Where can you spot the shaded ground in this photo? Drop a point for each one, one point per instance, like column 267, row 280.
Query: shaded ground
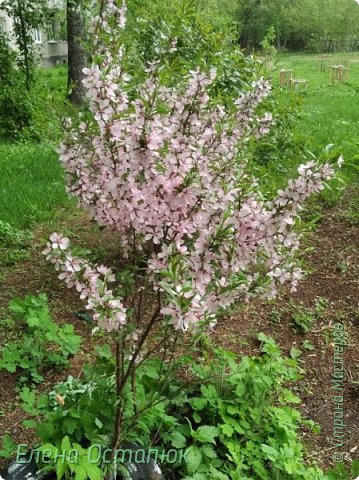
column 334, row 266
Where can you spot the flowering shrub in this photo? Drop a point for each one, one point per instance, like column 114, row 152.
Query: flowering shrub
column 166, row 168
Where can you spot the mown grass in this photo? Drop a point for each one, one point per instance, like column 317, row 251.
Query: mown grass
column 330, row 113
column 327, row 123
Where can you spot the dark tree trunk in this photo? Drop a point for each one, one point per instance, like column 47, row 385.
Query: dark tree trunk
column 24, row 44
column 77, row 52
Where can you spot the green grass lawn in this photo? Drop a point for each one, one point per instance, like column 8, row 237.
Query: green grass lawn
column 32, row 188
column 330, row 113
column 31, row 184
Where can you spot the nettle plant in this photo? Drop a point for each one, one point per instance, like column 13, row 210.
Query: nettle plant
column 166, row 169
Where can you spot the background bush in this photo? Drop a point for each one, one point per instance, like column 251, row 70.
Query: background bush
column 16, row 107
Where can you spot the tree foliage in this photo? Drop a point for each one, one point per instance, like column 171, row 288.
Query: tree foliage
column 311, row 24
column 15, row 107
column 27, row 15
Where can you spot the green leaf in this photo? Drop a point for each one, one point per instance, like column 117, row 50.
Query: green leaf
column 289, row 466
column 270, row 452
column 8, row 447
column 178, row 440
column 208, row 450
column 227, row 430
column 232, row 410
column 262, row 337
column 65, row 444
column 28, row 398
column 33, row 321
column 10, row 368
column 196, row 476
column 217, row 475
column 70, row 425
column 17, row 305
column 198, row 403
column 197, row 417
column 29, row 423
column 295, row 352
column 206, row 434
column 45, row 431
column 193, row 458
column 98, row 423
column 240, row 390
column 94, row 472
column 289, row 397
column 80, row 472
column 61, row 468
column 50, row 447
column 209, row 391
column 104, row 351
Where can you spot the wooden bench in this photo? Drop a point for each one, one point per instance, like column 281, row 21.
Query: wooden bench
column 284, row 77
column 323, row 59
column 296, row 84
column 339, row 73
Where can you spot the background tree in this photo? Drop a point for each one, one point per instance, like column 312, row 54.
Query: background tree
column 314, row 25
column 76, row 50
column 27, row 15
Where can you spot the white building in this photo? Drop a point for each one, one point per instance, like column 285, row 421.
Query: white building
column 50, row 41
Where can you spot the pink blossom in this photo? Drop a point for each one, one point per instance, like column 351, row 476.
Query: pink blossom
column 58, row 241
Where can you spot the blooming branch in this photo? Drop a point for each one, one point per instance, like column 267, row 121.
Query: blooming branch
column 91, row 283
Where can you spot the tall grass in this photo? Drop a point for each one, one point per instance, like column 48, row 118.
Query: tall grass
column 31, row 184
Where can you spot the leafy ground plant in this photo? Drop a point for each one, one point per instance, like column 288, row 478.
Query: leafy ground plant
column 239, row 420
column 235, row 420
column 343, row 472
column 304, row 318
column 43, row 344
column 14, row 244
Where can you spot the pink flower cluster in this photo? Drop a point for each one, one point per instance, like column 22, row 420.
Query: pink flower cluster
column 91, row 283
column 168, row 171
